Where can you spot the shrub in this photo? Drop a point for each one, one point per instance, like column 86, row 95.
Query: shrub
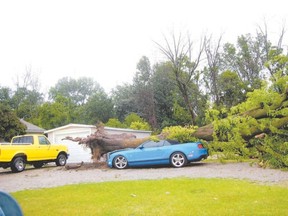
column 182, row 134
column 140, row 126
column 113, row 122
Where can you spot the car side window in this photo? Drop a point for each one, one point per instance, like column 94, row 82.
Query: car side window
column 43, row 140
column 166, row 143
column 152, row 144
column 160, row 143
column 170, row 142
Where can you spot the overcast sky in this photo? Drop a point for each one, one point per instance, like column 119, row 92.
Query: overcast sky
column 105, row 39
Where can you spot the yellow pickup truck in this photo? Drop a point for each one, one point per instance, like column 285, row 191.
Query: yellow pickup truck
column 32, row 149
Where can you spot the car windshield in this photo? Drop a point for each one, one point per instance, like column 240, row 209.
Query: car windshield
column 160, row 143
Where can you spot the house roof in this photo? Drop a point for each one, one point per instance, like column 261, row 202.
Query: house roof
column 70, row 126
column 128, row 130
column 93, row 126
column 32, row 128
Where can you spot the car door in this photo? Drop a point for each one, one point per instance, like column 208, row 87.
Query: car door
column 148, row 153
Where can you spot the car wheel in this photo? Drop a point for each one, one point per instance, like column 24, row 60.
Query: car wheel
column 120, row 162
column 61, row 160
column 178, row 159
column 18, row 164
column 38, row 164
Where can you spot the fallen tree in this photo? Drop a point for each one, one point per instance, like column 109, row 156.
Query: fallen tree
column 267, row 117
column 102, row 142
column 261, row 119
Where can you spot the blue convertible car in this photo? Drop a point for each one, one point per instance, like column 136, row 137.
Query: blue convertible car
column 164, row 152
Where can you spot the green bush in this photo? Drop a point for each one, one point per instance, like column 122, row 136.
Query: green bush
column 140, row 126
column 132, row 121
column 182, row 134
column 132, row 117
column 113, row 122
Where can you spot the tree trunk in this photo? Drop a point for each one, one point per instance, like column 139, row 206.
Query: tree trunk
column 101, row 142
column 205, row 132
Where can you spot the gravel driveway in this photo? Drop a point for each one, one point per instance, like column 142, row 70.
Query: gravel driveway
column 52, row 176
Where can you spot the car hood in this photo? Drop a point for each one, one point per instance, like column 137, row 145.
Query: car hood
column 120, row 150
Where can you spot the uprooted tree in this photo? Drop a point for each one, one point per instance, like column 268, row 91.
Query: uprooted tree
column 102, row 142
column 264, row 113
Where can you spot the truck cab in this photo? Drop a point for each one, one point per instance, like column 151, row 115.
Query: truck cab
column 32, row 149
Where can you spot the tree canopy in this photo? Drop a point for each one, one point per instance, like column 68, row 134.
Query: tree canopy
column 10, row 124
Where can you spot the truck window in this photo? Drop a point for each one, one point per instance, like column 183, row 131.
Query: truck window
column 43, row 140
column 24, row 139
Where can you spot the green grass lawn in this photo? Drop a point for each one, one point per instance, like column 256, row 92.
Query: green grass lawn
column 157, row 197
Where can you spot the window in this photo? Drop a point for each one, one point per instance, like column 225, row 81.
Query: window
column 24, row 139
column 171, row 142
column 151, row 144
column 43, row 140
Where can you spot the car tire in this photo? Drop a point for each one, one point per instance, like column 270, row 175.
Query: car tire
column 18, row 164
column 120, row 162
column 178, row 159
column 61, row 160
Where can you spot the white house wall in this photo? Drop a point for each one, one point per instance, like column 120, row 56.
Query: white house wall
column 77, row 153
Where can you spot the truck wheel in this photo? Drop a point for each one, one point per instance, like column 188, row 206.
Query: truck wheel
column 61, row 160
column 18, row 164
